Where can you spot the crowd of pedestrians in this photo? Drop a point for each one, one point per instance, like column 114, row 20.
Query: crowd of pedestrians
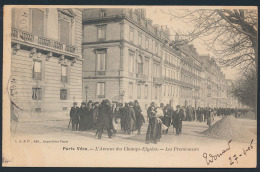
column 113, row 116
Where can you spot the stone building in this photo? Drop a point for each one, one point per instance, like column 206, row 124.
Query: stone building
column 214, row 83
column 46, row 61
column 170, row 71
column 122, row 54
column 127, row 58
column 191, row 69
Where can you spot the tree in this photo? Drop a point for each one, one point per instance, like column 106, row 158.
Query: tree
column 230, row 34
column 245, row 89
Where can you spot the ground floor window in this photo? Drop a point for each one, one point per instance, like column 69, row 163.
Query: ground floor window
column 63, row 94
column 101, row 90
column 36, row 93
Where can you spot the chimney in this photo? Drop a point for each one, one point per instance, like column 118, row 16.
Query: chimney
column 150, row 22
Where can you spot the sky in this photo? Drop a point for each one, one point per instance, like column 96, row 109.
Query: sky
column 177, row 26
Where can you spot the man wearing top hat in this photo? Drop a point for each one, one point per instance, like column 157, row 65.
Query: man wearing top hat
column 74, row 116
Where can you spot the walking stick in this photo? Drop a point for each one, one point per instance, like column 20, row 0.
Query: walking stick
column 69, row 123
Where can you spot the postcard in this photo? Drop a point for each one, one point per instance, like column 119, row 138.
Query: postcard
column 130, row 86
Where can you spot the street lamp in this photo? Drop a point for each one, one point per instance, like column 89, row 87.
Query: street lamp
column 86, row 88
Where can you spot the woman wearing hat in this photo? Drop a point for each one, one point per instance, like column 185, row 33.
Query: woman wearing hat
column 154, row 128
column 130, row 118
column 83, row 117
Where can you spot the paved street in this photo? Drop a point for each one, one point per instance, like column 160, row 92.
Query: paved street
column 59, row 129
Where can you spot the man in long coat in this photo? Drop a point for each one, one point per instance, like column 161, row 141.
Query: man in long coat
column 139, row 116
column 74, row 116
column 104, row 119
column 177, row 121
column 130, row 118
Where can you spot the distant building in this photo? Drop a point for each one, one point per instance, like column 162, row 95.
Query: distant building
column 46, row 62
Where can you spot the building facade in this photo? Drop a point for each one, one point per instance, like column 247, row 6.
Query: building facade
column 122, row 54
column 127, row 58
column 46, row 62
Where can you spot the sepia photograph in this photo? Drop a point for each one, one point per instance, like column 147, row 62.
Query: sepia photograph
column 130, row 86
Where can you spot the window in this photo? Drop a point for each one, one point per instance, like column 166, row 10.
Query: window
column 131, row 36
column 64, row 31
column 64, row 74
column 156, row 48
column 139, row 65
column 37, row 22
column 138, row 91
column 140, row 39
column 37, row 66
column 101, row 90
column 146, row 91
column 131, row 62
column 169, row 90
column 101, row 32
column 103, row 13
column 146, row 67
column 147, row 43
column 101, row 61
column 63, row 94
column 36, row 93
column 130, row 89
column 156, row 70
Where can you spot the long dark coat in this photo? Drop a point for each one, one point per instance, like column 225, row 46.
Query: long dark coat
column 124, row 118
column 83, row 118
column 74, row 115
column 167, row 112
column 177, row 121
column 138, row 115
column 154, row 128
column 104, row 119
column 130, row 119
column 95, row 115
column 89, row 118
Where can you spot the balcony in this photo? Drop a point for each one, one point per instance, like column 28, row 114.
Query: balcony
column 157, row 82
column 186, row 84
column 40, row 42
column 167, row 79
column 140, row 76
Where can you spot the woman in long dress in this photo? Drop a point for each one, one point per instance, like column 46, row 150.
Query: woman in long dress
column 154, row 128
